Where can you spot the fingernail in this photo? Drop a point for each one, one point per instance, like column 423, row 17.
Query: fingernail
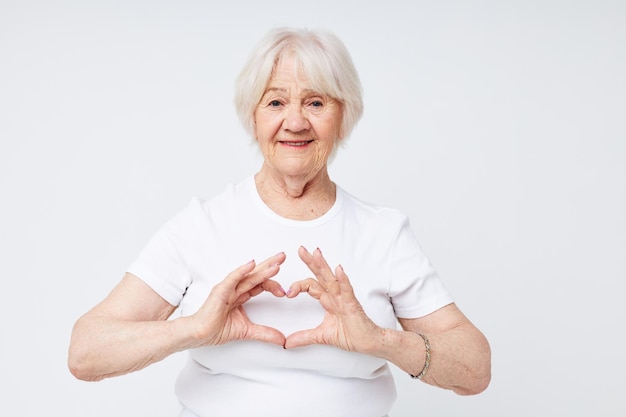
column 250, row 262
column 287, row 292
column 319, row 250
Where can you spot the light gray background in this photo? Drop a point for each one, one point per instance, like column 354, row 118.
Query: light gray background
column 498, row 126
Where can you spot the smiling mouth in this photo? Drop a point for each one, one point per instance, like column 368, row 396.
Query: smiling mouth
column 296, row 144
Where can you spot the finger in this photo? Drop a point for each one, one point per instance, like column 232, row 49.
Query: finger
column 309, row 285
column 255, row 291
column 270, row 286
column 255, row 279
column 277, row 259
column 241, row 299
column 273, row 287
column 302, row 338
column 344, row 283
column 317, row 264
column 262, row 272
column 234, row 277
column 265, row 334
column 237, row 288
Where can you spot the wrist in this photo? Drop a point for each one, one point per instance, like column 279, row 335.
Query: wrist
column 384, row 343
column 408, row 350
column 189, row 333
column 426, row 358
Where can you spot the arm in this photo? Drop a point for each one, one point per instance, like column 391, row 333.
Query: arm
column 126, row 332
column 129, row 330
column 460, row 354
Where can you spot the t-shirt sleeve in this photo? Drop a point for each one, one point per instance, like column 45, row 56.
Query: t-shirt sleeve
column 161, row 263
column 416, row 289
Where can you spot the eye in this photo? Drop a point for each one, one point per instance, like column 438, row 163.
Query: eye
column 275, row 103
column 316, row 105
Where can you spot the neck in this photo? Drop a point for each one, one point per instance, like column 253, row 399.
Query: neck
column 296, row 197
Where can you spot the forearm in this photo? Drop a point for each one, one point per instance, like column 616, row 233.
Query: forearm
column 460, row 358
column 103, row 347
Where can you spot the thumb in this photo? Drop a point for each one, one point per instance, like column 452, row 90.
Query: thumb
column 266, row 334
column 301, row 338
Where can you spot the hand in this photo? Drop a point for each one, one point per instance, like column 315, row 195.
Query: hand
column 222, row 319
column 345, row 323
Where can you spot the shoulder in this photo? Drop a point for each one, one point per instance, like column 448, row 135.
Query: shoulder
column 232, row 196
column 201, row 211
column 371, row 212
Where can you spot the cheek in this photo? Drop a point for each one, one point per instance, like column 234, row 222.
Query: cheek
column 333, row 124
column 266, row 126
column 332, row 131
column 260, row 131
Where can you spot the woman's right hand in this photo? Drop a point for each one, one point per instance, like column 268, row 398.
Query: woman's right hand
column 222, row 319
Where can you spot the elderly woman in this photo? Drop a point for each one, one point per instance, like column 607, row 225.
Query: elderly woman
column 310, row 328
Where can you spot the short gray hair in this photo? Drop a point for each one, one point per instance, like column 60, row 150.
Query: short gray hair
column 323, row 58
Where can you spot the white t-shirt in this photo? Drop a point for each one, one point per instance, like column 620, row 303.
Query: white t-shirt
column 208, row 239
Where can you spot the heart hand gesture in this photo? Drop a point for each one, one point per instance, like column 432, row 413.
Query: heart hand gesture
column 345, row 323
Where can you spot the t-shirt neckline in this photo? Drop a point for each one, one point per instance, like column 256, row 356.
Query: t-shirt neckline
column 252, row 190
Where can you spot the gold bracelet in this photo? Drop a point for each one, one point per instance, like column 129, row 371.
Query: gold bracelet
column 426, row 361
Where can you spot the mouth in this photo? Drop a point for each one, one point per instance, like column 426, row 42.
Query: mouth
column 296, row 144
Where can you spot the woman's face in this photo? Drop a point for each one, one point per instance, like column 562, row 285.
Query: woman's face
column 296, row 126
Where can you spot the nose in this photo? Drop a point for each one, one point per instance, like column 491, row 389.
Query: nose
column 295, row 118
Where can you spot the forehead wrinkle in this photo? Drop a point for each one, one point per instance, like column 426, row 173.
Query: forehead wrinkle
column 282, row 90
column 303, row 92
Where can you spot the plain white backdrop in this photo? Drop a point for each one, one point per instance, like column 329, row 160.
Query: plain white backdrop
column 497, row 126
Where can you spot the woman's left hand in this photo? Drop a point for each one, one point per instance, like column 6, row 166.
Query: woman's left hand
column 345, row 323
